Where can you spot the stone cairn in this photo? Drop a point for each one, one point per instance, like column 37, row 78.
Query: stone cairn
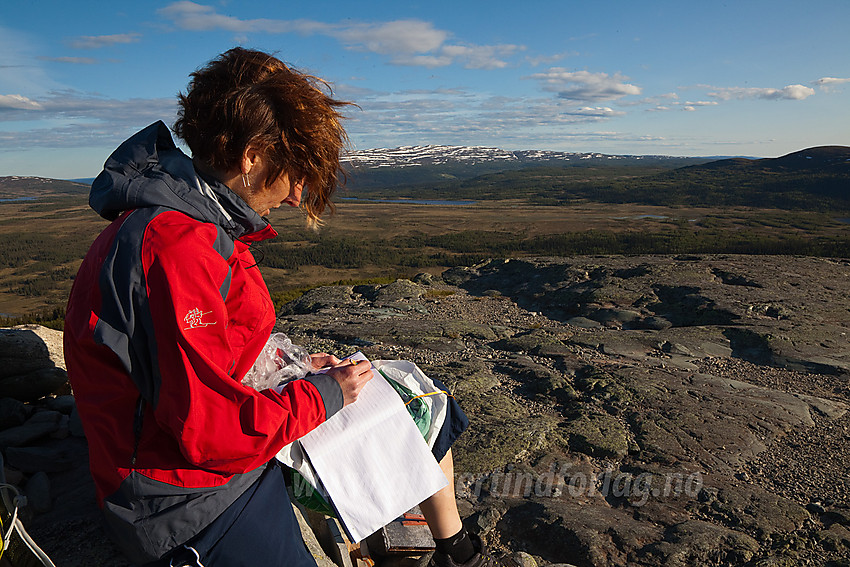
column 37, row 410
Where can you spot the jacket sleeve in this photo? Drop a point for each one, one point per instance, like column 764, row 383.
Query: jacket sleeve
column 201, row 340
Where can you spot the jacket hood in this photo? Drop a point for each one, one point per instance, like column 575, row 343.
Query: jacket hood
column 148, row 170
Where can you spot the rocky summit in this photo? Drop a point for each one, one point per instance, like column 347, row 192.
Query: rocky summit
column 658, row 410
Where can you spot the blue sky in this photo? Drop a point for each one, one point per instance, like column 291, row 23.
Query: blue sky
column 745, row 77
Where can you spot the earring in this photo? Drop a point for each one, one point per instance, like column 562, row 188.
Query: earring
column 246, row 181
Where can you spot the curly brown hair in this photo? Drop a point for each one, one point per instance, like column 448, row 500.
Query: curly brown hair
column 245, row 98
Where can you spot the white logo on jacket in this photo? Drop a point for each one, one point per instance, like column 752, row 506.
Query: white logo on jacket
column 195, row 319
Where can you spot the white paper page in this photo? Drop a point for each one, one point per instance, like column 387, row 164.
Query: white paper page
column 372, row 459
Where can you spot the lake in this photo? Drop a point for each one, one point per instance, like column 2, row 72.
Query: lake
column 638, row 217
column 17, row 199
column 408, row 201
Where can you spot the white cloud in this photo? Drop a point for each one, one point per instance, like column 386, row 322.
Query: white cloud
column 395, row 37
column 82, row 120
column 98, row 41
column 828, row 81
column 584, row 85
column 830, row 84
column 672, row 104
column 191, row 16
column 470, row 56
column 598, row 111
column 692, row 105
column 18, row 102
column 791, row 92
column 406, row 42
column 481, row 56
column 387, row 38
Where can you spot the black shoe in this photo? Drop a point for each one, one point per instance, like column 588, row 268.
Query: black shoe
column 481, row 558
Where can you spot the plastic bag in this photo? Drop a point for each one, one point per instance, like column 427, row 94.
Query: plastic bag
column 425, row 391
column 279, row 362
column 417, row 407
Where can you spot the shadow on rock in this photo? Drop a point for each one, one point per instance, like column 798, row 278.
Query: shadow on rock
column 531, row 528
column 685, row 306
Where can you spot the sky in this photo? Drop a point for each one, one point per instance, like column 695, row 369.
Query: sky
column 707, row 78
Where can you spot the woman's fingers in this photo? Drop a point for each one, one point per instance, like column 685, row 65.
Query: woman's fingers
column 352, row 376
column 323, row 360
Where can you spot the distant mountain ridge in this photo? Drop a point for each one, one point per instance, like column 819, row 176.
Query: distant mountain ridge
column 821, row 158
column 427, row 166
column 24, row 187
column 409, row 156
column 815, row 178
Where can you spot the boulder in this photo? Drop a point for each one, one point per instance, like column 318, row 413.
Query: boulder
column 33, row 385
column 459, row 275
column 40, row 425
column 424, row 278
column 26, row 348
column 398, row 294
column 12, row 413
column 583, row 322
column 536, row 341
column 37, row 491
column 64, row 404
column 320, row 298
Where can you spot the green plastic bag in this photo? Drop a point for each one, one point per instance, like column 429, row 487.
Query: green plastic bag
column 416, row 407
column 305, row 494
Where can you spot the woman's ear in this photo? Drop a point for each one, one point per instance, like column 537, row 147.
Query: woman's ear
column 251, row 158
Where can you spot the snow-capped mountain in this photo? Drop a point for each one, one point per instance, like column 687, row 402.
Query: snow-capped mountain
column 407, row 156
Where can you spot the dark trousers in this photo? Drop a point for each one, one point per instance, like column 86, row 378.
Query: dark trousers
column 258, row 529
column 455, row 424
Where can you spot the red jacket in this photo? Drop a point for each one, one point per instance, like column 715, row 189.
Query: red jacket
column 167, row 314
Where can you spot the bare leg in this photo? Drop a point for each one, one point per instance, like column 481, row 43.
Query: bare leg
column 440, row 510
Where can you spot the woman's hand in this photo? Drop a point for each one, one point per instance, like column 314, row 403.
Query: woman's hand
column 323, row 359
column 351, row 375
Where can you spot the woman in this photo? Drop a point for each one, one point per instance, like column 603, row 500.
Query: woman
column 169, row 311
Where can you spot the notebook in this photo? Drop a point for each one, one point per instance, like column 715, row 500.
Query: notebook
column 372, row 459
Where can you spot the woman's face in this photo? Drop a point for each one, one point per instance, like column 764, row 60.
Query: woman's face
column 262, row 196
column 274, row 194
